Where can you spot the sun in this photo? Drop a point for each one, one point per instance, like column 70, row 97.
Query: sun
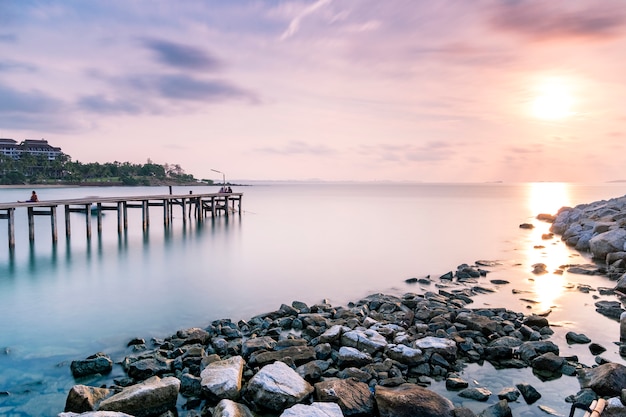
column 552, row 100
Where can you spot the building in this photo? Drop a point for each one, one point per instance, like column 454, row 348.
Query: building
column 34, row 147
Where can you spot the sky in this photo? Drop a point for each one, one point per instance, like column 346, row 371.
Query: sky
column 333, row 90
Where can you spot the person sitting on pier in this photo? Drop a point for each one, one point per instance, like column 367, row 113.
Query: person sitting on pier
column 33, row 197
column 229, row 190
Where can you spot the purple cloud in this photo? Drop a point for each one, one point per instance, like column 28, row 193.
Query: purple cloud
column 549, row 20
column 182, row 56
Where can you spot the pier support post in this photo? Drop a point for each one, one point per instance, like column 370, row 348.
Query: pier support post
column 31, row 225
column 99, row 218
column 184, row 205
column 119, row 218
column 125, row 206
column 67, row 221
column 226, row 205
column 240, row 197
column 166, row 218
column 88, row 220
column 11, row 219
column 144, row 214
column 53, row 224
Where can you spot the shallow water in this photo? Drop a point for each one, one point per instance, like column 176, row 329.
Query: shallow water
column 304, row 242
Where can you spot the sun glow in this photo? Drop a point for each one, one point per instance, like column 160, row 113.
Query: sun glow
column 552, row 100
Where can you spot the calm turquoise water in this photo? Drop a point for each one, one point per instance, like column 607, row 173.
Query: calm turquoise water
column 304, row 242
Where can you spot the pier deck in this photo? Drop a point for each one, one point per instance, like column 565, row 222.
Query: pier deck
column 197, row 204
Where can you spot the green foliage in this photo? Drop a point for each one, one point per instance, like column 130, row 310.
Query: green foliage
column 31, row 169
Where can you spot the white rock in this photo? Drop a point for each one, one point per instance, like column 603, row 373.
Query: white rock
column 223, row 378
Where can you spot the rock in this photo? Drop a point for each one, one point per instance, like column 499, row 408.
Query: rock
column 605, row 380
column 539, row 268
column 477, row 322
column 573, row 337
column 445, row 347
column 535, row 321
column 95, row 414
column 229, row 408
column 369, row 341
column 298, row 354
column 223, row 379
column 548, row 362
column 410, row 400
column 99, row 363
column 152, row 396
column 277, row 386
column 527, row 351
column 596, row 349
column 530, row 394
column 611, row 309
column 354, row 397
column 509, row 394
column 349, row 356
column 456, row 383
column 257, row 343
column 82, row 398
column 499, row 409
column 147, row 367
column 526, row 226
column 621, row 284
column 190, row 385
column 313, row 410
column 476, row 393
column 405, row 354
column 604, row 243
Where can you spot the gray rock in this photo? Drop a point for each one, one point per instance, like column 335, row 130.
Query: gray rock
column 229, row 408
column 223, row 379
column 476, row 393
column 573, row 337
column 100, row 363
column 605, row 380
column 313, row 410
column 410, row 400
column 254, row 344
column 369, row 341
column 298, row 354
column 354, row 397
column 445, row 347
column 604, row 243
column 404, row 354
column 277, row 386
column 530, row 394
column 82, row 398
column 548, row 362
column 95, row 414
column 153, row 396
column 456, row 383
column 499, row 409
column 349, row 356
column 528, row 351
column 509, row 394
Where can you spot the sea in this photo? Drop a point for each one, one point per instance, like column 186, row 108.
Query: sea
column 293, row 241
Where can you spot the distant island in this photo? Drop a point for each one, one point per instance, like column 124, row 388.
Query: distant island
column 34, row 161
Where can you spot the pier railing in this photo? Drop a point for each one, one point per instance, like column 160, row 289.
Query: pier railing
column 197, row 204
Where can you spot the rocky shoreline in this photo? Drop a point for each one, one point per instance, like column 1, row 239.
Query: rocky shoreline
column 374, row 357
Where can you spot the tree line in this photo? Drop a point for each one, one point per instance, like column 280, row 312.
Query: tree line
column 31, row 169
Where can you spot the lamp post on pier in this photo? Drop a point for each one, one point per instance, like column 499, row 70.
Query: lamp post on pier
column 223, row 176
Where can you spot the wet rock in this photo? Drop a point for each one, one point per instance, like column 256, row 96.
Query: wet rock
column 611, row 309
column 98, row 363
column 605, row 380
column 353, row 397
column 499, row 409
column 509, row 394
column 478, row 394
column 153, row 396
column 409, row 400
column 456, row 383
column 596, row 349
column 573, row 338
column 528, row 351
column 349, row 356
column 526, row 226
column 148, row 366
column 530, row 394
column 277, row 386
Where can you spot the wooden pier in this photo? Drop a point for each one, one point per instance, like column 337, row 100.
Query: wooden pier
column 197, row 204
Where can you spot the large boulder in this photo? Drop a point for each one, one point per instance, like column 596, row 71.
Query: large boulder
column 83, row 398
column 354, row 397
column 607, row 380
column 607, row 242
column 299, row 355
column 152, row 396
column 277, row 386
column 222, row 379
column 409, row 400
